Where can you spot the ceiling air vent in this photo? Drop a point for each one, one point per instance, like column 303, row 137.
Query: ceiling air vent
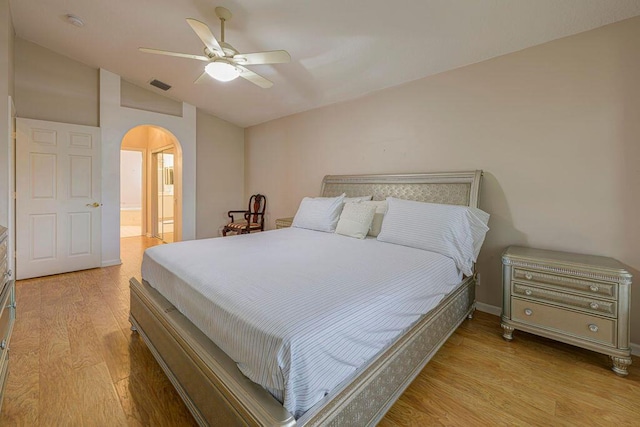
column 160, row 85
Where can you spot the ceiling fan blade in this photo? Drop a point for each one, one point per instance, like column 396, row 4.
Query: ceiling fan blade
column 254, row 78
column 202, row 78
column 204, row 33
column 179, row 55
column 257, row 58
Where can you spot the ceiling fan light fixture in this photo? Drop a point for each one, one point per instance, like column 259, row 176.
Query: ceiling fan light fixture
column 224, row 63
column 222, row 70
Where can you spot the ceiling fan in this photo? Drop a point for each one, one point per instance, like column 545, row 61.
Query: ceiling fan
column 225, row 63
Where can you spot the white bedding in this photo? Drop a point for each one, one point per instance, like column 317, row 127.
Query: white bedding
column 299, row 310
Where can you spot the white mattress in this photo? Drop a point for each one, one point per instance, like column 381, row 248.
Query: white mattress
column 299, row 310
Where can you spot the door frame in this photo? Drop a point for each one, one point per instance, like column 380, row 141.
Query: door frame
column 154, row 192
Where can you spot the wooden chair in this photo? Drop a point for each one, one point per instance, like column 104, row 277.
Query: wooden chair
column 253, row 217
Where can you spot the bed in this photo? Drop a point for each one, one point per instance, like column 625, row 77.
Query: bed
column 211, row 383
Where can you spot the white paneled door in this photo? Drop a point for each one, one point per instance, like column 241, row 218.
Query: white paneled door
column 58, row 208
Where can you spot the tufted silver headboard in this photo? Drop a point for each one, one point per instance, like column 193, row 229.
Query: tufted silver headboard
column 452, row 188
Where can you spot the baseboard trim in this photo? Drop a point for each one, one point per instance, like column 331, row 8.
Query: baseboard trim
column 486, row 308
column 111, row 262
column 497, row 311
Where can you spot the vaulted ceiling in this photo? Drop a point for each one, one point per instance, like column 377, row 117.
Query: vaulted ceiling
column 340, row 49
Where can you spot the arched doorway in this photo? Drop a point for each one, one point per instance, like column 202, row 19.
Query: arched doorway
column 151, row 184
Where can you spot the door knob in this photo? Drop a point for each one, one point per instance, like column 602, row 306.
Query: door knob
column 94, row 205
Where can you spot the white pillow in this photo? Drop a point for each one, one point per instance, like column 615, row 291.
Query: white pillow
column 381, row 209
column 319, row 213
column 355, row 220
column 454, row 231
column 357, row 199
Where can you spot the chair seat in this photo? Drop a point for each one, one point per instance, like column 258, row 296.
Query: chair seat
column 248, row 220
column 241, row 225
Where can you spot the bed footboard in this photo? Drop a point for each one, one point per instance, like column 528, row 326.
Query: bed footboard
column 367, row 398
column 217, row 393
column 208, row 381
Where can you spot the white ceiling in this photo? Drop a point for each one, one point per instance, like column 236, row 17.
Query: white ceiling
column 340, row 49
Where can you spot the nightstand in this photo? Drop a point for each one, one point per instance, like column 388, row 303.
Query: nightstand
column 283, row 222
column 577, row 299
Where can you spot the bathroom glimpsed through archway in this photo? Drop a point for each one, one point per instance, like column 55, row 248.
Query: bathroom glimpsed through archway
column 151, row 184
column 163, row 205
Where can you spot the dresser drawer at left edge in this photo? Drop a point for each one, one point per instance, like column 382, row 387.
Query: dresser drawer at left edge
column 7, row 311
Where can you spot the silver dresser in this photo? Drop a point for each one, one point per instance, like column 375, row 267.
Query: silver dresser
column 577, row 299
column 7, row 310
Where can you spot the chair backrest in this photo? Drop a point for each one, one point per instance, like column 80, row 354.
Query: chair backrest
column 257, row 206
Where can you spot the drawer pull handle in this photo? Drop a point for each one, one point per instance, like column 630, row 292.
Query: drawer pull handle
column 594, row 305
column 528, row 311
column 593, row 328
column 528, row 276
column 3, row 344
column 8, row 273
column 528, row 292
column 594, row 288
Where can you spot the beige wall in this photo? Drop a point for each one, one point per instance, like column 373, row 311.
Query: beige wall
column 10, row 51
column 555, row 128
column 147, row 137
column 131, row 174
column 53, row 87
column 219, row 173
column 134, row 96
column 138, row 137
column 6, row 90
column 158, row 138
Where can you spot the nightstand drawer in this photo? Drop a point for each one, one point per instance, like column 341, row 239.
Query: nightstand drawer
column 592, row 305
column 579, row 325
column 588, row 287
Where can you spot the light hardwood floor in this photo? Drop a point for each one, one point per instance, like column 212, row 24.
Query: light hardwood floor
column 74, row 362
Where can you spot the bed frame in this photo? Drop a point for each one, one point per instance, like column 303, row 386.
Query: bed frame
column 217, row 393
